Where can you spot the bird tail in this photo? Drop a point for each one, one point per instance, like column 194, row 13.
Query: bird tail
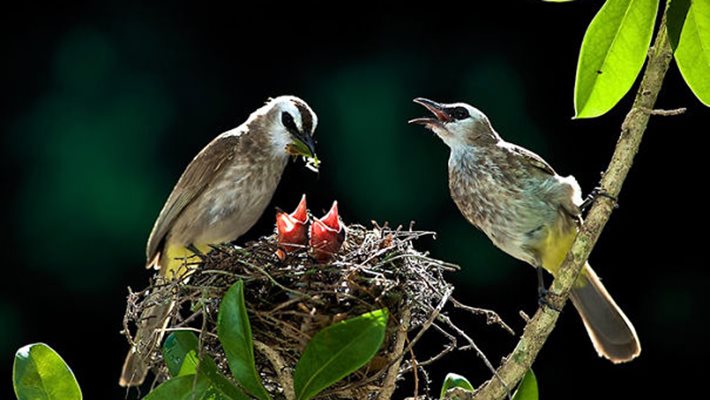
column 611, row 332
column 150, row 332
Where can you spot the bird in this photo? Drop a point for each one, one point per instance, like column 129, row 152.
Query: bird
column 219, row 197
column 527, row 210
column 327, row 235
column 292, row 229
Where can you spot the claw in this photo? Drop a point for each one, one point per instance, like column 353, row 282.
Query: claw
column 597, row 192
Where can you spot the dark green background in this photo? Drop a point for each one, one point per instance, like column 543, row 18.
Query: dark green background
column 105, row 105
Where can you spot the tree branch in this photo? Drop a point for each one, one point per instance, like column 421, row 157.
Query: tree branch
column 390, row 382
column 284, row 377
column 543, row 322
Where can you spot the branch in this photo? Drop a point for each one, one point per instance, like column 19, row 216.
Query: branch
column 284, row 377
column 390, row 382
column 543, row 322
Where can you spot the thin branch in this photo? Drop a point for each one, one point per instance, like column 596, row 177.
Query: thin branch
column 415, row 373
column 284, row 377
column 451, row 346
column 543, row 322
column 667, row 113
column 472, row 345
column 390, row 382
column 432, row 317
column 491, row 316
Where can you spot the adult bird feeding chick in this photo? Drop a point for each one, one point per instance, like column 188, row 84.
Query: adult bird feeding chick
column 219, row 197
column 527, row 210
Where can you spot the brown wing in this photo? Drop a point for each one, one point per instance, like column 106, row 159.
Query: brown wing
column 566, row 200
column 532, row 159
column 194, row 180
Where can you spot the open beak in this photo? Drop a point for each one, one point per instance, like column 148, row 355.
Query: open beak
column 303, row 146
column 435, row 108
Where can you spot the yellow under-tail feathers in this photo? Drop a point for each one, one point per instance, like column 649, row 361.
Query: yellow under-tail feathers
column 178, row 261
column 553, row 250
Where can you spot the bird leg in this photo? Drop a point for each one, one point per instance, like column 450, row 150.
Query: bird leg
column 195, row 250
column 596, row 192
column 542, row 291
column 221, row 247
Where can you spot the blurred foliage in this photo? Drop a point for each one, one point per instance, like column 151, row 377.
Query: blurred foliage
column 11, row 328
column 87, row 145
column 368, row 145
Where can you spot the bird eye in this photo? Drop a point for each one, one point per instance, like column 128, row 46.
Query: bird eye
column 287, row 120
column 459, row 113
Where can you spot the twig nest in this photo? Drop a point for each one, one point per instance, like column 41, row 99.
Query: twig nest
column 290, row 300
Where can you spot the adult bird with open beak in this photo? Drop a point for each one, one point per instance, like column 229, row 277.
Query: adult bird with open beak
column 527, row 210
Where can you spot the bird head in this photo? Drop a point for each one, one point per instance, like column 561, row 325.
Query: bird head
column 327, row 235
column 292, row 229
column 293, row 124
column 457, row 124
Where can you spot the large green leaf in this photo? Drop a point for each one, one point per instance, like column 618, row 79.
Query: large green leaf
column 234, row 333
column 689, row 33
column 206, row 384
column 337, row 351
column 186, row 387
column 612, row 54
column 180, row 353
column 190, row 387
column 455, row 381
column 527, row 390
column 218, row 382
column 39, row 373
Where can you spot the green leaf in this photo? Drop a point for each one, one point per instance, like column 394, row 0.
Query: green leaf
column 186, row 387
column 207, row 384
column 613, row 51
column 219, row 382
column 337, row 351
column 689, row 34
column 455, row 381
column 234, row 333
column 180, row 353
column 527, row 390
column 39, row 373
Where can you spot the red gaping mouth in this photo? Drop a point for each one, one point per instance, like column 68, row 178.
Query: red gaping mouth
column 435, row 108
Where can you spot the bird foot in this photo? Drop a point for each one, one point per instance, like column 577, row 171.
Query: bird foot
column 196, row 251
column 225, row 248
column 597, row 192
column 544, row 300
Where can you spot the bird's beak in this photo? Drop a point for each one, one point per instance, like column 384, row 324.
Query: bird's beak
column 303, row 145
column 435, row 108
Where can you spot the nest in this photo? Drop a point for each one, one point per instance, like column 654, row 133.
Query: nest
column 289, row 301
